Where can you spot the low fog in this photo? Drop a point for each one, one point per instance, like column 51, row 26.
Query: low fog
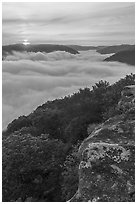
column 30, row 79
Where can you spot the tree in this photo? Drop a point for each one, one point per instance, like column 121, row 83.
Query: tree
column 32, row 167
column 17, row 124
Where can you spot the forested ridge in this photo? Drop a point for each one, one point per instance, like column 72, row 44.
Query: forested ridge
column 40, row 160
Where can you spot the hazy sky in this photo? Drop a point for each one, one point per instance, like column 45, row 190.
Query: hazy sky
column 69, row 23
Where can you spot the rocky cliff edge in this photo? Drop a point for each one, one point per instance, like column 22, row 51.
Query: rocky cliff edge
column 107, row 164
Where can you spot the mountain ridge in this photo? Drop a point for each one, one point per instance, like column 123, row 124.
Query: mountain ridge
column 125, row 56
column 115, row 48
column 8, row 49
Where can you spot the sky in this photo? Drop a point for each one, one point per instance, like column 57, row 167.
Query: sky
column 68, row 23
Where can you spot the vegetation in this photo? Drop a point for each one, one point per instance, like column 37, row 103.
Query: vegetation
column 70, row 174
column 40, row 151
column 31, row 167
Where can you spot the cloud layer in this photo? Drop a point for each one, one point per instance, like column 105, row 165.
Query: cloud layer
column 30, row 79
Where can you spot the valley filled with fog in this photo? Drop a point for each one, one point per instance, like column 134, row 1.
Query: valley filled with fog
column 30, row 79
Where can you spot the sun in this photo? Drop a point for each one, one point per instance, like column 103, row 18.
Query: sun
column 25, row 42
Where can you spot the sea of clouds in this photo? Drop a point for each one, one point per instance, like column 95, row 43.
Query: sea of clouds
column 30, row 79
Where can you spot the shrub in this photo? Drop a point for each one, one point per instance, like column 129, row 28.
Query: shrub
column 70, row 174
column 31, row 167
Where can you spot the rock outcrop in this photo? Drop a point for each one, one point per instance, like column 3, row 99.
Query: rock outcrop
column 107, row 164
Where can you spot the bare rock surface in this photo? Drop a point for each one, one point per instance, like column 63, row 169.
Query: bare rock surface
column 106, row 170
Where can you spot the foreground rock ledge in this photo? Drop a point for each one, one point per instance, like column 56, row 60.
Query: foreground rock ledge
column 106, row 170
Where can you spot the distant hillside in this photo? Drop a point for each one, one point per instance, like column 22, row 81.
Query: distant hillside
column 103, row 49
column 115, row 48
column 85, row 48
column 82, row 48
column 127, row 56
column 8, row 49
